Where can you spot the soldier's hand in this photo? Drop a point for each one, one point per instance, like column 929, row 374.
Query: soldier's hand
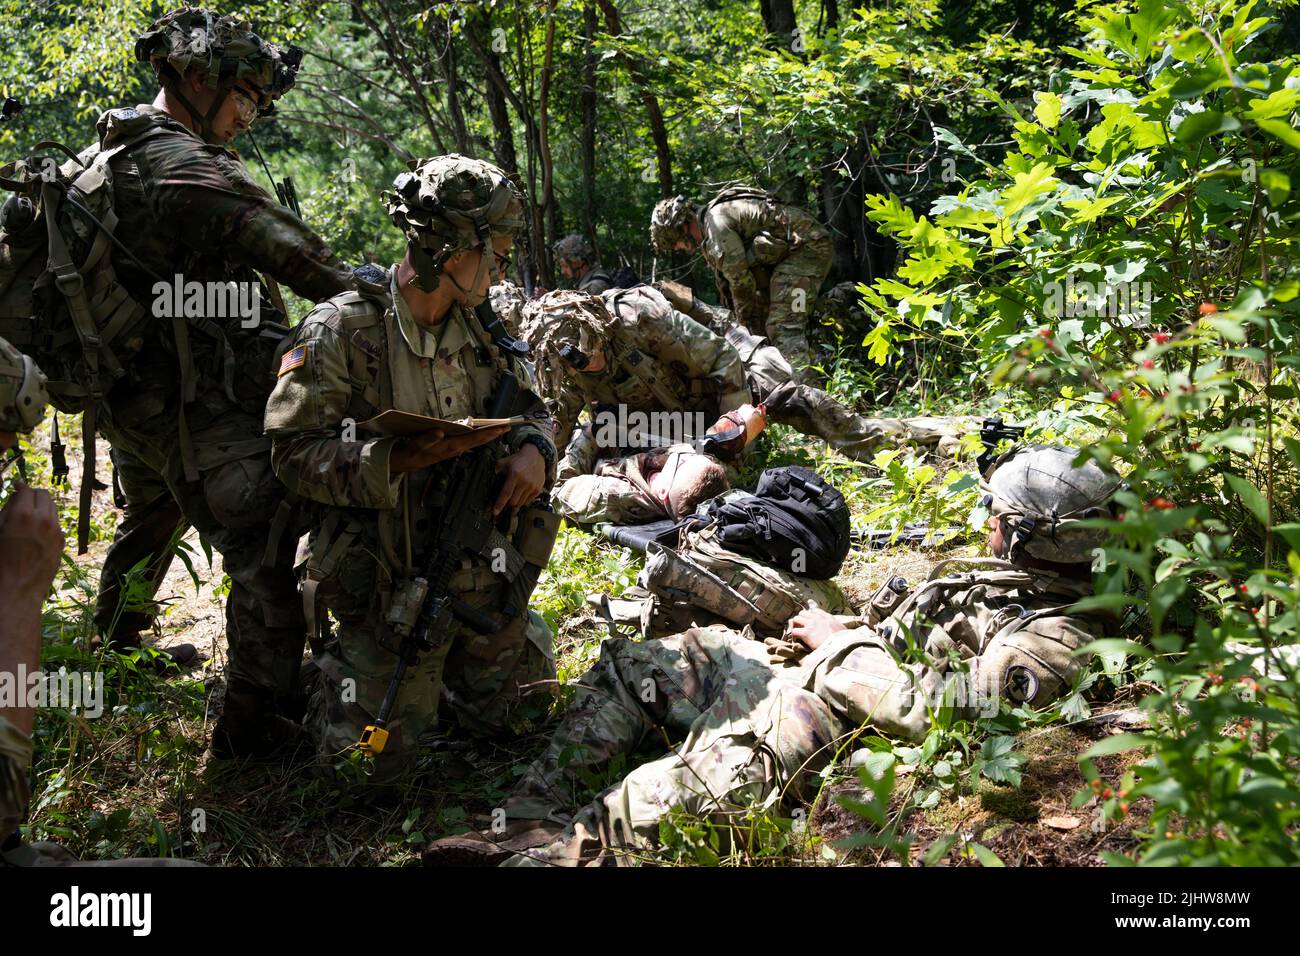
column 31, row 543
column 428, row 448
column 525, row 473
column 812, row 627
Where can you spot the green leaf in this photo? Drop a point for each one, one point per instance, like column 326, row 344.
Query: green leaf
column 1250, row 496
column 1110, row 645
column 1282, row 130
column 1198, row 126
column 1047, row 109
column 1116, row 744
column 986, row 856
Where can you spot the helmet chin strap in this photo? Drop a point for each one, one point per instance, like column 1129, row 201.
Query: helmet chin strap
column 204, row 120
column 478, row 275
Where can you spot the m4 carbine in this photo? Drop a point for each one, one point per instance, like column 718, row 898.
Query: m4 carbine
column 422, row 607
column 992, row 433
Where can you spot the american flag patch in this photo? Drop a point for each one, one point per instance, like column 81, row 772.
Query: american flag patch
column 294, row 358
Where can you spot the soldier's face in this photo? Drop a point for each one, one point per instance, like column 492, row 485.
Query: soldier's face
column 474, row 270
column 568, row 269
column 238, row 110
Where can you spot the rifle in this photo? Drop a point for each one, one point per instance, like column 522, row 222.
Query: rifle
column 422, row 607
column 914, row 534
column 992, row 433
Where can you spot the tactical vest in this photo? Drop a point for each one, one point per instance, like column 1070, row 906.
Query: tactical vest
column 517, row 555
column 667, row 387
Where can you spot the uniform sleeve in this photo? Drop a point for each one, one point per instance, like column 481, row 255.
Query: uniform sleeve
column 683, row 342
column 724, row 248
column 566, row 406
column 539, row 424
column 209, row 201
column 1036, row 664
column 311, row 450
column 15, row 795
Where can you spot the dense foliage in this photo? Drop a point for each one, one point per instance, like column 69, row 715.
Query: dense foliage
column 1083, row 217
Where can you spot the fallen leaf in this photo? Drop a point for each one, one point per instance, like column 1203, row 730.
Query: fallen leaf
column 1061, row 823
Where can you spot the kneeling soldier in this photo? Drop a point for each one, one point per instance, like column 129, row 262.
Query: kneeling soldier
column 416, row 552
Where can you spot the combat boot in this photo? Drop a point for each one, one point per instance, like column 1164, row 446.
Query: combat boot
column 489, row 848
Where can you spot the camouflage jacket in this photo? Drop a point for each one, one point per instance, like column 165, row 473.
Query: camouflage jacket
column 192, row 209
column 350, row 359
column 619, row 490
column 659, row 359
column 1011, row 625
column 15, row 758
column 595, row 281
column 748, row 233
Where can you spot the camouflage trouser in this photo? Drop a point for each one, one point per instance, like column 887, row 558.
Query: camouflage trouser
column 491, row 683
column 748, row 738
column 580, row 456
column 587, row 499
column 150, row 519
column 235, row 505
column 794, row 285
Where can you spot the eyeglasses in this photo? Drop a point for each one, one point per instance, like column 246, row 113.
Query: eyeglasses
column 246, row 104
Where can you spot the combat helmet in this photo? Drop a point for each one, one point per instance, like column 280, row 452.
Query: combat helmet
column 669, row 220
column 1039, row 496
column 573, row 246
column 223, row 47
column 22, row 391
column 450, row 203
column 565, row 328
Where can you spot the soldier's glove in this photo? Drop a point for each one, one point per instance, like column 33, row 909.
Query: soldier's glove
column 782, row 650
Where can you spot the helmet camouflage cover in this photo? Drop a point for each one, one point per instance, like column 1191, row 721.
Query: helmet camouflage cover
column 1040, row 495
column 450, row 203
column 574, row 247
column 560, row 319
column 22, row 391
column 223, row 47
column 669, row 220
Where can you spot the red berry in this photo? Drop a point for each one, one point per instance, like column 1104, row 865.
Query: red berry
column 1114, row 396
column 1193, row 445
column 1123, row 808
column 1162, row 338
column 1216, row 679
column 1148, row 363
column 1208, row 308
column 1106, row 793
column 1163, row 504
column 1096, row 783
column 1242, row 588
column 1046, row 334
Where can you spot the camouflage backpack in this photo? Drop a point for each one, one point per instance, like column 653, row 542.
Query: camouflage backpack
column 60, row 300
column 701, row 583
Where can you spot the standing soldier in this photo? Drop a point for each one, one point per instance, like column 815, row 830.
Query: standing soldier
column 189, row 405
column 769, row 257
column 577, row 263
column 416, row 345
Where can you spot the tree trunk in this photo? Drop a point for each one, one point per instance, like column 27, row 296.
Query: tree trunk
column 447, row 62
column 778, row 18
column 544, row 131
column 832, row 8
column 588, row 142
column 658, row 131
column 503, row 133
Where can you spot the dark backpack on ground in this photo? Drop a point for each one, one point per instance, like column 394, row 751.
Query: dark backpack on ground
column 794, row 520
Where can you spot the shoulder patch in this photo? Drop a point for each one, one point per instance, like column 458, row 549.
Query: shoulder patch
column 294, row 358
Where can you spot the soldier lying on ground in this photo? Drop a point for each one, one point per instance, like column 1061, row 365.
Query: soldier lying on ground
column 664, row 483
column 748, row 724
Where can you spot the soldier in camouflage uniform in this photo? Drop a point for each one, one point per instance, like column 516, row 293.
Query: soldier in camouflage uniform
column 187, row 409
column 770, row 259
column 665, row 483
column 415, row 345
column 757, row 720
column 577, row 263
column 31, row 544
column 810, row 410
column 632, row 349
